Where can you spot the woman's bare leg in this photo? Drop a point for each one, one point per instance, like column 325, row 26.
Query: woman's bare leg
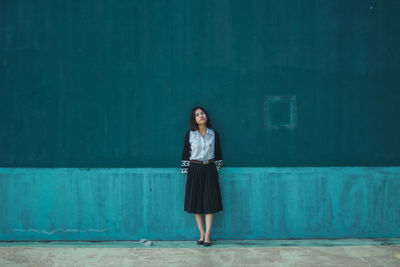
column 209, row 220
column 200, row 225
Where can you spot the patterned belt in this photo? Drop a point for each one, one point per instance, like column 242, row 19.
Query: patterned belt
column 202, row 161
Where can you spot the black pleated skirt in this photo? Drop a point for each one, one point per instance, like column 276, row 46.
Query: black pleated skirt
column 203, row 194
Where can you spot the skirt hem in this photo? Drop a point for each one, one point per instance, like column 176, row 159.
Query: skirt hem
column 203, row 212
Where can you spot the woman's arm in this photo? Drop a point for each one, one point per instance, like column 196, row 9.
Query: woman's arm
column 218, row 152
column 185, row 154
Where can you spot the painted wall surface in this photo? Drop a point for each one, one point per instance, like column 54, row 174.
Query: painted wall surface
column 259, row 203
column 306, row 86
column 110, row 84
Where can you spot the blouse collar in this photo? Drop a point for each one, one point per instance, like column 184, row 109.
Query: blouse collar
column 209, row 132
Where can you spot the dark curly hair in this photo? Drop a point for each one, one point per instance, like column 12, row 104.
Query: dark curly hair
column 193, row 124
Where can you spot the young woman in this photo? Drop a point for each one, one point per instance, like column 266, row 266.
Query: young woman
column 201, row 160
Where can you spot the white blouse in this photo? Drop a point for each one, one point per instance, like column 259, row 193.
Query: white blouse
column 202, row 148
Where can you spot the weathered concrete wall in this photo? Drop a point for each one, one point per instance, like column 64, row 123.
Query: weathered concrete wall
column 104, row 84
column 259, row 203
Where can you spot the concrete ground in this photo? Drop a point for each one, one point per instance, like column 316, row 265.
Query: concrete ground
column 305, row 252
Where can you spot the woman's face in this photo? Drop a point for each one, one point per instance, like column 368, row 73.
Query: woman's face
column 201, row 117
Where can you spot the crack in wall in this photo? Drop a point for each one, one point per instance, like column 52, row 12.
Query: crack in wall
column 58, row 230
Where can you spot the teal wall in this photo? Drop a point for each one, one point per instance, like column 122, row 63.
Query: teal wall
column 304, row 93
column 259, row 203
column 105, row 83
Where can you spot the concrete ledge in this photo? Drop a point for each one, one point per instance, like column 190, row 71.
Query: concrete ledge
column 216, row 243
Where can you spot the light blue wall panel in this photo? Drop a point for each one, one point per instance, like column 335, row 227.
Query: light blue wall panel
column 259, row 203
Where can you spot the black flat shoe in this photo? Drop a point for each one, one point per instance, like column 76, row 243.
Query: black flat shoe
column 207, row 244
column 200, row 242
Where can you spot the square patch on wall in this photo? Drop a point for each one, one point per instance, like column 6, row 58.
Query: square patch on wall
column 280, row 111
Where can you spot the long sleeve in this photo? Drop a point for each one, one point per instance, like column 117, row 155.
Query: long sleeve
column 218, row 152
column 185, row 154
